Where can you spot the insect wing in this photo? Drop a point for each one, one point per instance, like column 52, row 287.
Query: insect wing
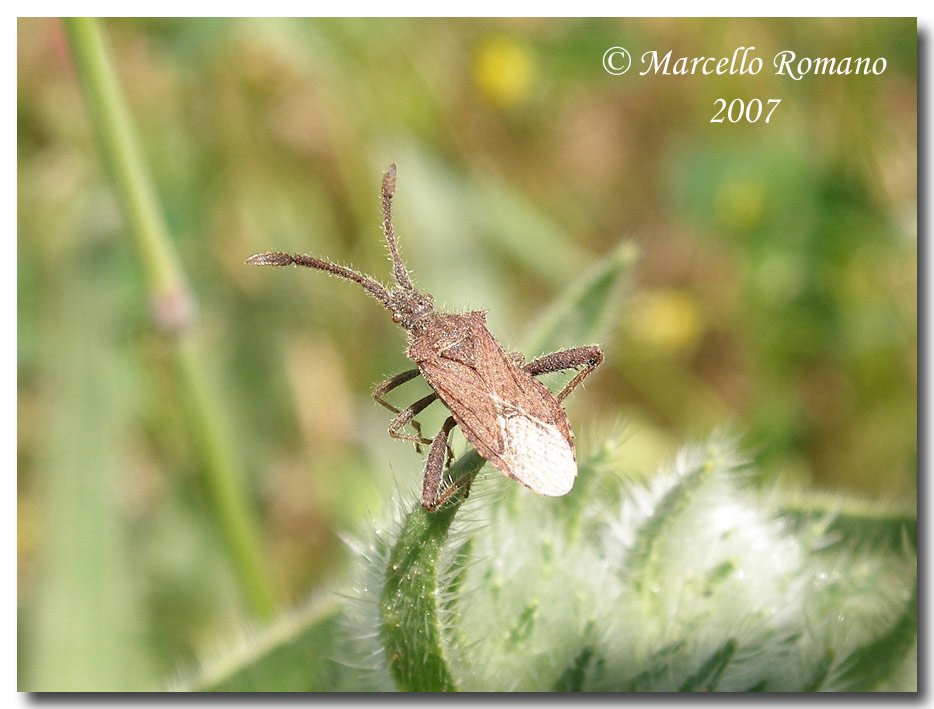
column 536, row 452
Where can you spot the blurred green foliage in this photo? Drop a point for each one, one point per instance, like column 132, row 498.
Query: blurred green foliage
column 775, row 287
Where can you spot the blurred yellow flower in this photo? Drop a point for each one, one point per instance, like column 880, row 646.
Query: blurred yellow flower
column 666, row 319
column 504, row 70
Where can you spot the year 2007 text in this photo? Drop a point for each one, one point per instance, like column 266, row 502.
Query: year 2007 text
column 749, row 111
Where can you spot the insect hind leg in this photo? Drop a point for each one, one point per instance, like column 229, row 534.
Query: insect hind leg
column 433, row 496
column 588, row 357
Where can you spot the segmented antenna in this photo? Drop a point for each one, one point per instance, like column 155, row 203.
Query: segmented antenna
column 398, row 267
column 280, row 258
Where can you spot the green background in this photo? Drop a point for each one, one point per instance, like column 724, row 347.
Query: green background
column 774, row 286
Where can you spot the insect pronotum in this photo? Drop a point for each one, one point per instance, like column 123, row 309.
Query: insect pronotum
column 508, row 416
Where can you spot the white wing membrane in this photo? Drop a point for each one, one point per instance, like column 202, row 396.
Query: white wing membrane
column 537, row 453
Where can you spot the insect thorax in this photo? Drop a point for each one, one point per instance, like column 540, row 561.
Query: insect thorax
column 435, row 333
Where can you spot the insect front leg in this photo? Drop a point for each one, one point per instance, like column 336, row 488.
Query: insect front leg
column 432, row 494
column 407, row 416
column 390, row 384
column 589, row 357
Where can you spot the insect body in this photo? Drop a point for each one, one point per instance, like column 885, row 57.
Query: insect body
column 508, row 416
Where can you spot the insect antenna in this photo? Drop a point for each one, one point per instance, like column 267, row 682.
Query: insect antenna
column 398, row 267
column 280, row 258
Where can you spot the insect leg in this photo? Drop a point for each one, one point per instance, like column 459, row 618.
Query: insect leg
column 588, row 357
column 395, row 427
column 408, row 415
column 390, row 384
column 432, row 494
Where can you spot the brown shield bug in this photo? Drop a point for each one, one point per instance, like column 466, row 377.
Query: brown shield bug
column 508, row 416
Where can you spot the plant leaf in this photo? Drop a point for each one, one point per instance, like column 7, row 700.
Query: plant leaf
column 581, row 313
column 707, row 676
column 293, row 655
column 875, row 661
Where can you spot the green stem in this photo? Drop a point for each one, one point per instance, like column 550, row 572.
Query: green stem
column 111, row 120
column 410, row 605
column 171, row 302
column 224, row 480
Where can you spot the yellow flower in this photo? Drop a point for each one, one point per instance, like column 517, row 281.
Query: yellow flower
column 504, row 70
column 667, row 320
